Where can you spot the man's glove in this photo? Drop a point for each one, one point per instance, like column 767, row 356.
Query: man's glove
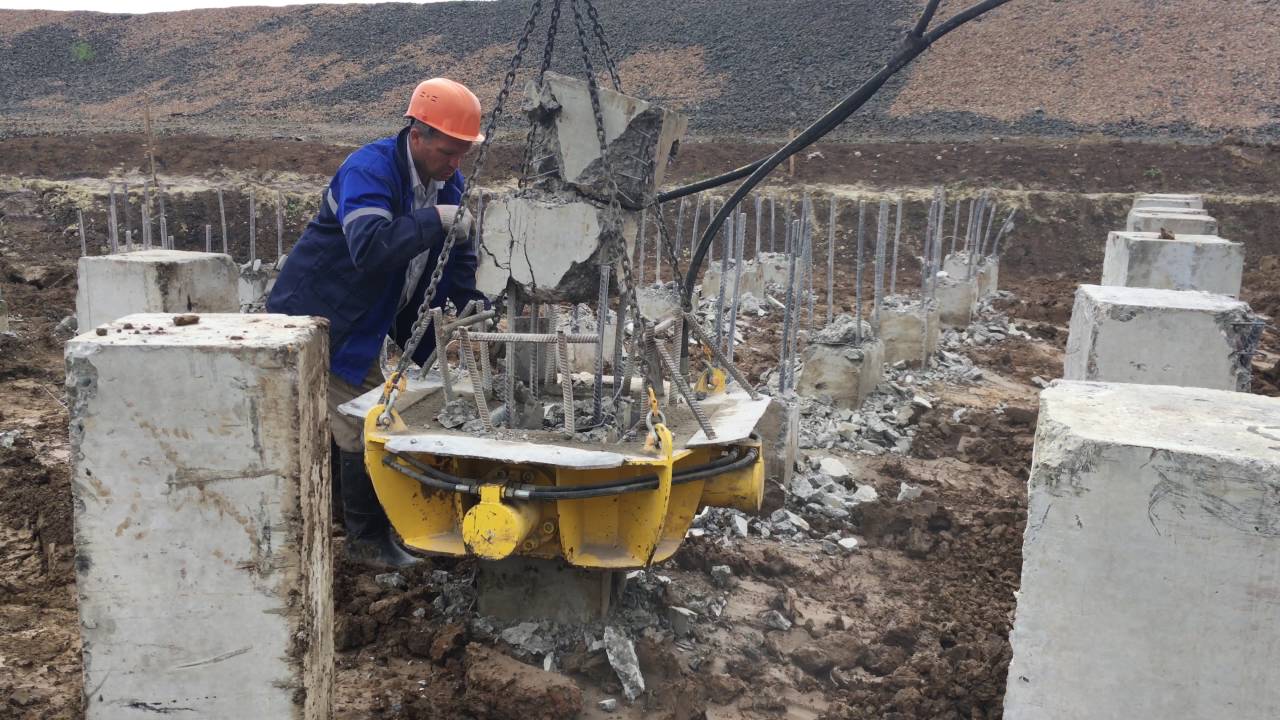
column 448, row 213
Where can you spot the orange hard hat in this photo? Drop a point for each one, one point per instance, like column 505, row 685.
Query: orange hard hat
column 447, row 106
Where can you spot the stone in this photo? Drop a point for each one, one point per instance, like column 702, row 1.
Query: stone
column 909, row 492
column 1149, row 556
column 154, row 281
column 848, row 374
column 1168, row 200
column 548, row 245
column 741, row 527
column 722, row 576
column 682, row 620
column 848, row 544
column 640, row 136
column 608, row 705
column 909, row 332
column 1177, row 223
column 833, row 467
column 527, row 638
column 391, row 581
column 775, row 620
column 621, row 653
column 957, row 300
column 865, row 494
column 1187, row 262
column 201, row 489
column 1160, row 337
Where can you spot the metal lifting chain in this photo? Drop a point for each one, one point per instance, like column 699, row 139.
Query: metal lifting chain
column 420, row 324
column 604, row 45
column 613, row 220
column 547, row 50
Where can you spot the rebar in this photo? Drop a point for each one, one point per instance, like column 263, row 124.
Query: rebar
column 787, row 220
column 128, row 240
column 84, row 244
column 697, row 215
column 773, row 223
column 784, row 357
column 1005, row 227
column 796, row 301
column 486, row 376
column 986, row 236
column 128, row 224
column 222, row 216
column 759, row 208
column 971, row 237
column 640, row 248
column 535, row 357
column 831, row 262
column 724, row 278
column 897, row 235
column 146, row 216
column 619, row 338
column 711, row 249
column 882, row 239
column 602, row 315
column 695, row 328
column 208, row 238
column 253, row 226
column 566, row 382
column 857, row 276
column 682, row 387
column 113, row 230
column 657, row 249
column 955, row 228
column 680, row 229
column 811, row 297
column 740, row 249
column 164, row 220
column 473, row 372
column 442, row 352
column 279, row 224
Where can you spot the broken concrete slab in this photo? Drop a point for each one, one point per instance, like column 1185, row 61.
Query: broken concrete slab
column 909, row 330
column 1152, row 534
column 658, row 303
column 845, row 373
column 154, row 281
column 1173, row 200
column 640, row 137
column 1187, row 262
column 200, row 463
column 549, row 246
column 1160, row 337
column 1177, row 223
column 957, row 300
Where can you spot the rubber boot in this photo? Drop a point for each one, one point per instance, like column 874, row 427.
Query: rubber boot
column 370, row 540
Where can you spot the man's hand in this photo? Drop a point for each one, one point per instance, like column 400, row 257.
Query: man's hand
column 449, row 212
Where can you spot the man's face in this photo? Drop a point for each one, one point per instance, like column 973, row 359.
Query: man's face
column 437, row 156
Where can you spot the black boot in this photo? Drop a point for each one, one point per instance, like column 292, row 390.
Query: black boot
column 370, row 540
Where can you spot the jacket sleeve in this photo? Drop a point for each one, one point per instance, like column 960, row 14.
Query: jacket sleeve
column 361, row 200
column 465, row 258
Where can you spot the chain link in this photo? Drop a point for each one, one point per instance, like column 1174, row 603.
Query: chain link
column 420, row 323
column 547, row 49
column 604, row 45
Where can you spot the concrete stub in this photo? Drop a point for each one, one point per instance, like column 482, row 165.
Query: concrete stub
column 752, row 280
column 546, row 244
column 986, row 271
column 1160, row 337
column 201, row 495
column 157, row 281
column 255, row 283
column 1169, row 200
column 1188, row 262
column 845, row 373
column 957, row 299
column 641, row 137
column 908, row 329
column 1149, row 557
column 658, row 303
column 1177, row 223
column 774, row 269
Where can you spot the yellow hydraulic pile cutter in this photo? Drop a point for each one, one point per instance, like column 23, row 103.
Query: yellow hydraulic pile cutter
column 597, row 506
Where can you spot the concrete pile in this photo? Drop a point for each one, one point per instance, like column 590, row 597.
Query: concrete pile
column 842, row 365
column 155, row 281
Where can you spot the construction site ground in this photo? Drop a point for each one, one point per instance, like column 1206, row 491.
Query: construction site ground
column 912, row 623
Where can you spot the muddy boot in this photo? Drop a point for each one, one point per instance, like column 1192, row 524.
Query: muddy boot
column 370, row 540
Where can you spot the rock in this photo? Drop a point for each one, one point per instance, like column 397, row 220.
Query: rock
column 865, row 494
column 782, row 515
column 1039, row 382
column 621, row 653
column 8, row 438
column 682, row 620
column 848, row 544
column 740, row 525
column 503, row 688
column 722, row 576
column 525, row 637
column 832, row 467
column 838, row 650
column 750, row 304
column 842, row 331
column 775, row 620
column 391, row 581
column 909, row 492
column 608, row 705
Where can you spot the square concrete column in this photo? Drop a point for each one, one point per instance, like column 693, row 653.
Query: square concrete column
column 845, row 373
column 1169, row 200
column 1187, row 262
column 1160, row 337
column 170, row 281
column 1177, row 223
column 909, row 330
column 986, row 271
column 201, row 490
column 957, row 299
column 1150, row 558
column 752, row 280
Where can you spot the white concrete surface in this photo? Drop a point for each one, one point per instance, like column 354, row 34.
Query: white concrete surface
column 1178, row 223
column 201, row 495
column 1174, row 200
column 752, row 280
column 986, row 271
column 957, row 299
column 545, row 241
column 658, row 303
column 167, row 281
column 845, row 373
column 1158, row 337
column 256, row 279
column 909, row 330
column 1188, row 262
column 1150, row 558
column 773, row 268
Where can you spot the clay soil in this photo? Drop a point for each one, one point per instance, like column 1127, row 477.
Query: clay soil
column 914, row 624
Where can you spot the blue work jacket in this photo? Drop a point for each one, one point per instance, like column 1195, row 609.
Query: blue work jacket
column 349, row 265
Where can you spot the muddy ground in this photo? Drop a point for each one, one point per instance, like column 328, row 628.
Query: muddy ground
column 914, row 623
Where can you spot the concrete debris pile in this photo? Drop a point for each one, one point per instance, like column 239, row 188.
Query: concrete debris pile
column 883, row 424
column 989, row 326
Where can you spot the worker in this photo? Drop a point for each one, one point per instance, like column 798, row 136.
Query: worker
column 364, row 263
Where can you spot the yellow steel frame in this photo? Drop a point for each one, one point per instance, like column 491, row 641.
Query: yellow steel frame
column 630, row 530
